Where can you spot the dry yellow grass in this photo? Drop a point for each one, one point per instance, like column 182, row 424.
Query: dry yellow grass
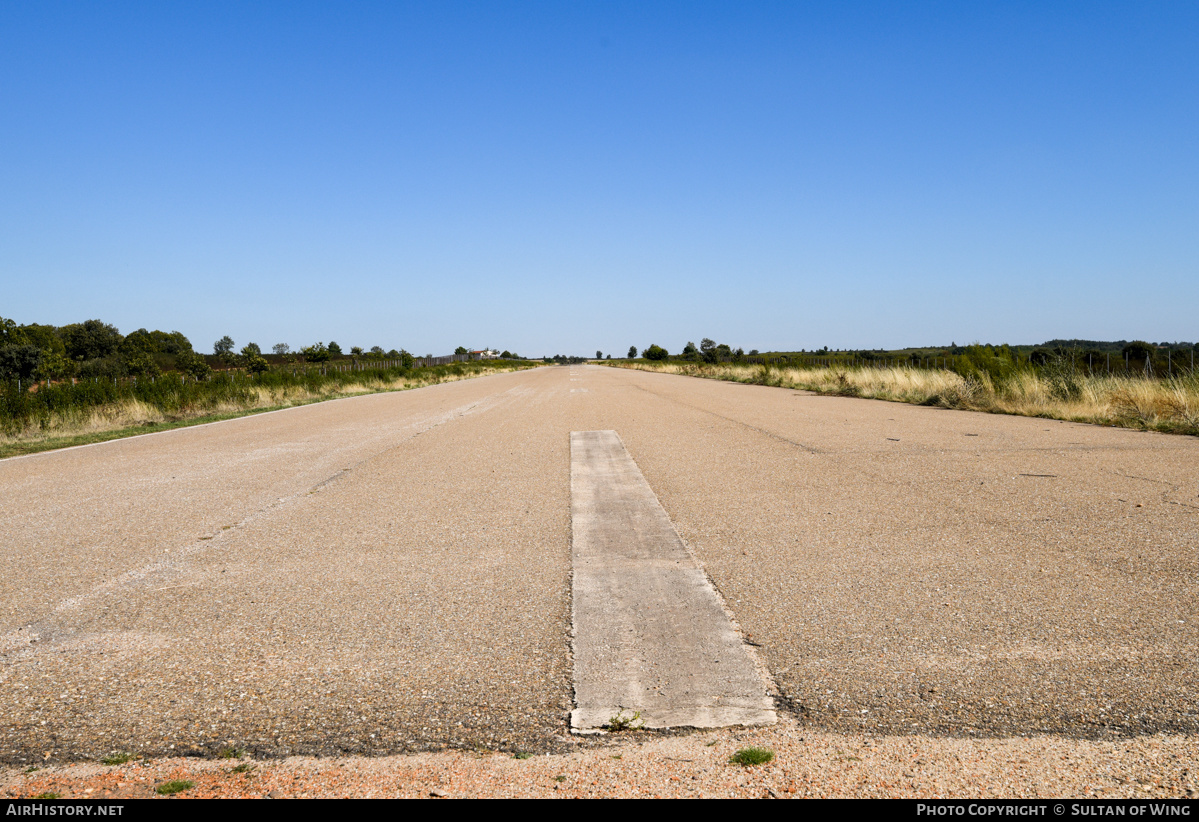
column 1170, row 405
column 74, row 425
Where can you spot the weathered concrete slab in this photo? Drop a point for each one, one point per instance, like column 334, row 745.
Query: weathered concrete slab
column 650, row 635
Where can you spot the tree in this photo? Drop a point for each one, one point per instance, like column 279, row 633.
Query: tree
column 316, row 353
column 193, row 365
column 1139, row 351
column 54, row 366
column 599, row 355
column 223, row 346
column 45, row 337
column 90, row 340
column 377, row 350
column 173, row 343
column 655, row 352
column 251, row 348
column 11, row 333
column 707, row 347
column 18, row 362
column 141, row 364
column 632, row 352
column 281, row 348
column 334, row 349
column 461, row 350
column 254, row 363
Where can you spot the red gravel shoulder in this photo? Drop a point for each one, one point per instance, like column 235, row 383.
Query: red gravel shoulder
column 806, row 764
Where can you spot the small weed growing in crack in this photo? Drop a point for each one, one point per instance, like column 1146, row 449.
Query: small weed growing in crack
column 522, row 755
column 118, row 758
column 32, row 768
column 751, row 756
column 232, row 753
column 559, row 778
column 175, row 786
column 713, row 742
column 47, row 795
column 244, row 767
column 620, row 722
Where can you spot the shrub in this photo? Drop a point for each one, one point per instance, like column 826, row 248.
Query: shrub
column 655, row 352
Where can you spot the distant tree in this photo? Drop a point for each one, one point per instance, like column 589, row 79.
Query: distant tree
column 599, row 355
column 19, row 362
column 406, row 359
column 335, row 349
column 281, row 348
column 393, row 354
column 11, row 333
column 1139, row 350
column 753, row 352
column 141, row 364
column 707, row 347
column 54, row 366
column 690, row 352
column 193, row 365
column 356, row 351
column 252, row 360
column 137, row 343
column 506, row 355
column 655, row 352
column 90, row 340
column 460, row 350
column 223, row 346
column 375, row 349
column 45, row 337
column 609, row 356
column 632, row 352
column 316, row 353
column 173, row 343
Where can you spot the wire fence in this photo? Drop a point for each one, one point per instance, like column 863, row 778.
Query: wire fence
column 1091, row 365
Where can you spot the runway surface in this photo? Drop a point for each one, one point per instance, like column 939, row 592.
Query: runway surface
column 393, row 572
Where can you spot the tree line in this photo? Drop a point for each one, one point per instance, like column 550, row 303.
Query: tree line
column 94, row 348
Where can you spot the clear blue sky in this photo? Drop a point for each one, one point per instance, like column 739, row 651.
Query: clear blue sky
column 562, row 177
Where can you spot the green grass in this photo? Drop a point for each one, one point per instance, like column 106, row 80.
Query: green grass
column 47, row 795
column 748, row 757
column 174, row 786
column 231, row 753
column 118, row 758
column 522, row 755
column 244, row 767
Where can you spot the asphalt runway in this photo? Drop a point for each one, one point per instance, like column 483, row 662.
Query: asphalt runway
column 392, row 572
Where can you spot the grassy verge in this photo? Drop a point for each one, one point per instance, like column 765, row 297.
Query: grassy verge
column 64, row 424
column 1169, row 405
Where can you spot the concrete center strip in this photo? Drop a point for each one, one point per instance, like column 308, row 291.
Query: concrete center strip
column 650, row 635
